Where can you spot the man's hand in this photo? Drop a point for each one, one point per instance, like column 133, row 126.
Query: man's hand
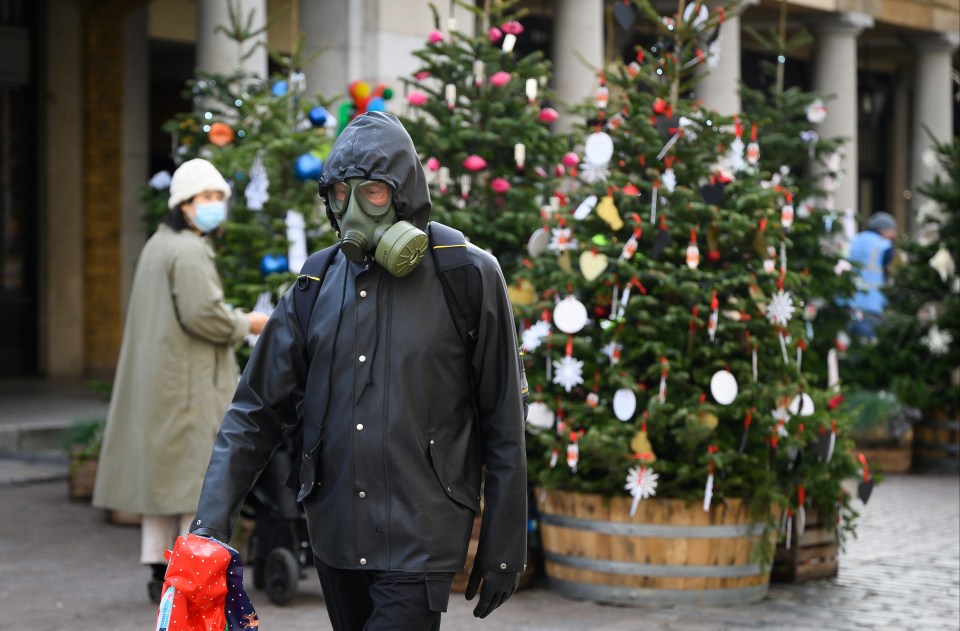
column 497, row 588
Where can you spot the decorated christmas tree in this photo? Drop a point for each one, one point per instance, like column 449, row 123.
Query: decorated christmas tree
column 917, row 354
column 268, row 138
column 662, row 348
column 480, row 114
column 790, row 150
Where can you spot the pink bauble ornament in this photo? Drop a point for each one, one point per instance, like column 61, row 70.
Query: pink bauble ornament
column 500, row 185
column 571, row 159
column 559, row 170
column 416, row 98
column 474, row 163
column 512, row 27
column 500, row 79
column 548, row 115
column 433, row 164
column 423, row 74
column 435, row 37
column 494, row 34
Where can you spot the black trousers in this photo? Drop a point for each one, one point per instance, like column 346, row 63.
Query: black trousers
column 373, row 600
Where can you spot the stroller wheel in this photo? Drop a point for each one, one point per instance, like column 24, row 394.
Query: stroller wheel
column 282, row 573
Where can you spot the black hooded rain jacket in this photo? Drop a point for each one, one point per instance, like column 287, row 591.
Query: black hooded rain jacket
column 394, row 446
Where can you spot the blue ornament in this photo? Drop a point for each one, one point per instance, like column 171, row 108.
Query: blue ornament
column 377, row 104
column 271, row 264
column 318, row 116
column 308, row 167
column 279, row 88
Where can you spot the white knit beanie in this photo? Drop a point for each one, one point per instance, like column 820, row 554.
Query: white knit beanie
column 194, row 177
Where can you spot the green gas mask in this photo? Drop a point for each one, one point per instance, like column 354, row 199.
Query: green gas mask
column 368, row 223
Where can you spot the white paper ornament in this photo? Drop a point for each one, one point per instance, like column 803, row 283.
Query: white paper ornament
column 598, row 148
column 538, row 242
column 942, row 262
column 540, row 416
column 624, row 404
column 697, row 12
column 297, row 237
column 801, row 405
column 570, row 315
column 723, row 387
column 264, row 305
column 816, row 111
column 585, row 208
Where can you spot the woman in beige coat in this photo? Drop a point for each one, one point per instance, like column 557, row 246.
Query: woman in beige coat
column 177, row 371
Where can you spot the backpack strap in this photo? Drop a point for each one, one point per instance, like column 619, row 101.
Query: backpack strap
column 311, row 276
column 462, row 286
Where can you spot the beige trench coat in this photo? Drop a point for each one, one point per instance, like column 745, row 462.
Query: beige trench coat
column 175, row 378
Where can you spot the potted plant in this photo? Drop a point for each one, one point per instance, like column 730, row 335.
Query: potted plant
column 82, row 443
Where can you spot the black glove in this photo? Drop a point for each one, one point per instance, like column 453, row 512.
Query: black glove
column 497, row 588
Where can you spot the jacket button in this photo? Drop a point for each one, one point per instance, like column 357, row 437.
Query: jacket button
column 363, row 561
column 431, row 442
column 503, row 566
column 363, row 293
column 362, row 494
column 362, row 358
column 359, row 427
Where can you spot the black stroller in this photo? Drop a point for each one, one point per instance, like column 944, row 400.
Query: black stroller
column 279, row 546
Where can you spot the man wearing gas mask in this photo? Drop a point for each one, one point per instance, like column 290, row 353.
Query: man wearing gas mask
column 400, row 419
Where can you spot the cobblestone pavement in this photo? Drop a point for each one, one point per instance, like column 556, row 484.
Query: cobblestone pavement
column 63, row 567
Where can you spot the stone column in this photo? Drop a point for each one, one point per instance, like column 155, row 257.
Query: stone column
column 932, row 113
column 336, row 26
column 578, row 36
column 61, row 193
column 719, row 87
column 135, row 144
column 216, row 52
column 835, row 75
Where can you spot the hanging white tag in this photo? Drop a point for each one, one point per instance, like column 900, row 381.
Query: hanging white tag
column 708, row 493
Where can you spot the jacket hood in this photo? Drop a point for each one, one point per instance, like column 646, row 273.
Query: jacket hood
column 375, row 146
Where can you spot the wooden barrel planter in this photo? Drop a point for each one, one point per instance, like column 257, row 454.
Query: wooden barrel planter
column 670, row 553
column 812, row 555
column 936, row 446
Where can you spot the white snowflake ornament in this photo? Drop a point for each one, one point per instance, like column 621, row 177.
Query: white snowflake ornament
column 592, row 173
column 533, row 337
column 937, row 340
column 642, row 483
column 257, row 188
column 568, row 372
column 781, row 308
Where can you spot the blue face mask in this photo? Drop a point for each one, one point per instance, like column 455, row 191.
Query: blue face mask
column 210, row 215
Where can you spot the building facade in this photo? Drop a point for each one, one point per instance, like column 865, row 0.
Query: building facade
column 85, row 85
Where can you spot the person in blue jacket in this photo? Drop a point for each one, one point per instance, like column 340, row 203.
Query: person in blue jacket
column 872, row 252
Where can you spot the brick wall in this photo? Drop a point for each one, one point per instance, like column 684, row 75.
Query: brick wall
column 102, row 169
